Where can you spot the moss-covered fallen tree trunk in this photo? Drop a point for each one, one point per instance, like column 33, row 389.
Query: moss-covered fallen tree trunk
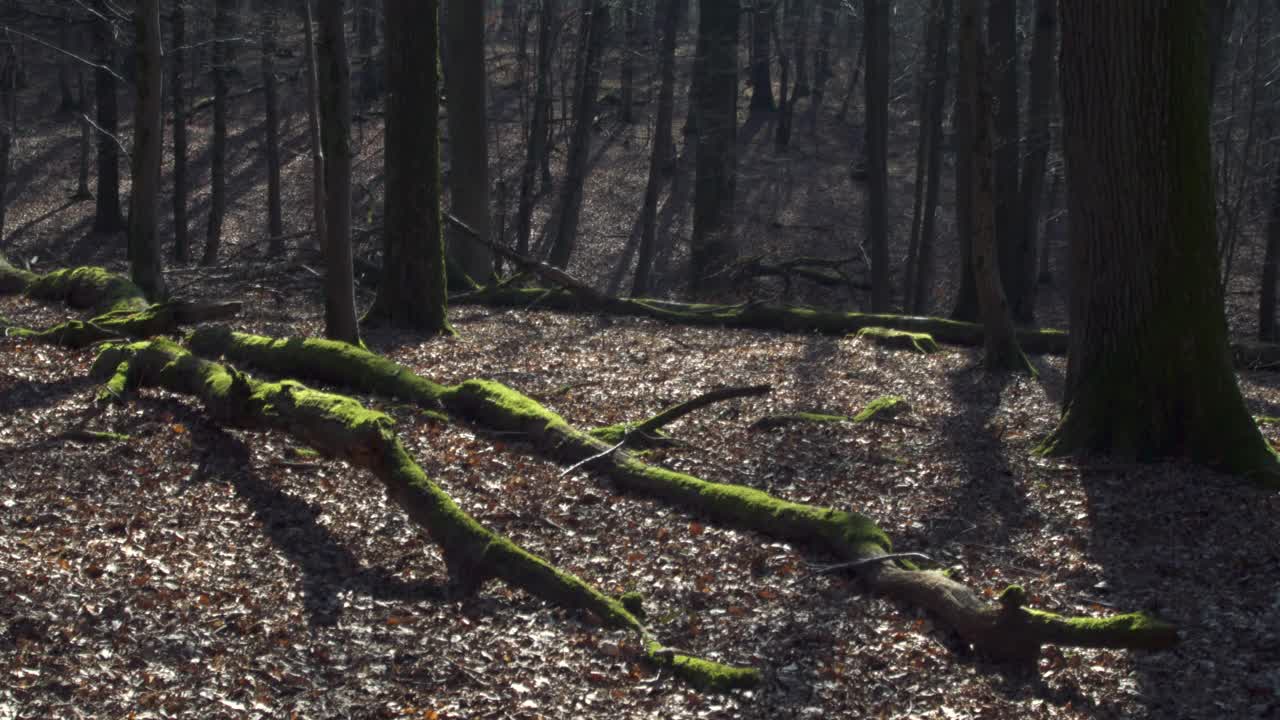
column 119, row 308
column 1007, row 631
column 340, row 427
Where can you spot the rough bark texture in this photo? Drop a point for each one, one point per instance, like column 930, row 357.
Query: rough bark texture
column 335, row 130
column 468, row 138
column 311, row 72
column 713, row 246
column 595, row 25
column 218, row 145
column 659, row 157
column 1149, row 370
column 1006, row 631
column 148, row 144
column 412, row 293
column 342, row 428
column 178, row 97
column 275, row 220
column 106, row 216
column 877, row 141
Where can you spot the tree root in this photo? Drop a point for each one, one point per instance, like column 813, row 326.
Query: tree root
column 1006, row 632
column 340, row 427
column 616, row 433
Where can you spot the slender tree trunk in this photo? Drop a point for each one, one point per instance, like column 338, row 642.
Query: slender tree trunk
column 1015, row 247
column 1038, row 140
column 107, row 217
column 660, row 152
column 822, row 66
column 222, row 29
column 334, row 88
column 67, row 99
column 933, row 97
column 366, row 39
column 786, row 98
column 311, row 71
column 1149, row 371
column 591, row 48
column 798, row 12
column 9, row 71
column 148, row 145
column 966, row 304
column 178, row 96
column 877, row 140
column 713, row 246
column 538, row 127
column 469, row 140
column 630, row 46
column 1052, row 222
column 412, row 293
column 86, row 136
column 275, row 219
column 761, row 81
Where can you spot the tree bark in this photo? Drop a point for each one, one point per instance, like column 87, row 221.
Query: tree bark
column 311, row 71
column 86, row 136
column 178, row 96
column 412, row 293
column 595, row 26
column 148, row 145
column 107, row 217
column 660, row 152
column 9, row 71
column 537, row 126
column 335, row 131
column 1015, row 248
column 966, row 302
column 1149, row 371
column 877, row 140
column 1043, row 65
column 222, row 29
column 275, row 218
column 761, row 80
column 713, row 246
column 630, row 45
column 468, row 139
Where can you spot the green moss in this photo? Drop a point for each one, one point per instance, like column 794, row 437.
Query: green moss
column 883, row 408
column 498, row 406
column 701, row 673
column 634, row 603
column 1013, row 597
column 301, row 453
column 1265, row 419
column 89, row 287
column 920, row 342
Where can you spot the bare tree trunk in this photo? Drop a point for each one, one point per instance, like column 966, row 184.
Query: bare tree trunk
column 1000, row 342
column 537, row 127
column 107, row 217
column 1043, row 64
column 629, row 48
column 86, row 136
column 798, row 12
column 1052, row 222
column 591, row 46
column 933, row 97
column 222, row 29
column 966, row 302
column 877, row 130
column 311, row 71
column 275, row 219
column 714, row 247
column 9, row 71
column 334, row 86
column 67, row 99
column 822, row 66
column 412, row 293
column 148, row 145
column 1016, row 249
column 468, row 140
column 662, row 142
column 178, row 96
column 366, row 39
column 761, row 81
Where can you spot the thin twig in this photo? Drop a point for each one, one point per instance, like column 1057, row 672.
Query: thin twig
column 820, row 569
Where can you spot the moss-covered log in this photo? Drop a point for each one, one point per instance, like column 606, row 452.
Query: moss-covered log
column 340, row 427
column 118, row 307
column 1000, row 631
column 645, row 429
column 922, row 343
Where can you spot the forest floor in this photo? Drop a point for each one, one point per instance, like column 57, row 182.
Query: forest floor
column 196, row 571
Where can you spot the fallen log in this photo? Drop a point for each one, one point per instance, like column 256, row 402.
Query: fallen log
column 342, row 428
column 1007, row 631
column 119, row 308
column 616, row 433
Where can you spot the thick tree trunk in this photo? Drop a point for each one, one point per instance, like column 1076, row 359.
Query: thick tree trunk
column 106, row 216
column 468, row 139
column 1015, row 248
column 222, row 28
column 595, row 26
column 534, row 158
column 311, row 71
column 1000, row 346
column 1043, row 66
column 334, row 86
column 1149, row 372
column 714, row 246
column 877, row 140
column 761, row 80
column 275, row 218
column 412, row 293
column 933, row 98
column 659, row 158
column 148, row 145
column 178, row 96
